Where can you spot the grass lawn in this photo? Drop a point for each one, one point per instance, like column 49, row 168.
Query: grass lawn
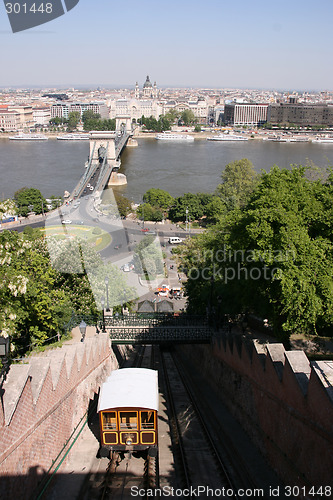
column 85, row 233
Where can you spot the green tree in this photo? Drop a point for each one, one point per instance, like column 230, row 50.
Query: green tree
column 148, row 257
column 238, row 181
column 30, row 199
column 97, row 124
column 273, row 257
column 90, row 115
column 195, row 204
column 73, row 119
column 215, row 209
column 188, row 117
column 148, row 213
column 172, row 115
column 58, row 121
column 123, row 204
column 158, row 198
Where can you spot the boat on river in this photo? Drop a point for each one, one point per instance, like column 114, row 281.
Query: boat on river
column 165, row 136
column 322, row 140
column 28, row 137
column 73, row 137
column 227, row 137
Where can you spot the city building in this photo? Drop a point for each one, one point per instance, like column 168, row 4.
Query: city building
column 135, row 108
column 149, row 91
column 9, row 120
column 26, row 119
column 63, row 109
column 300, row 114
column 41, row 116
column 251, row 114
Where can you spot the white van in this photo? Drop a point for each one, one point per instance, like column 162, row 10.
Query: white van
column 174, row 239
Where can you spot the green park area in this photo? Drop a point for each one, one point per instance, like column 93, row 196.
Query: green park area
column 93, row 236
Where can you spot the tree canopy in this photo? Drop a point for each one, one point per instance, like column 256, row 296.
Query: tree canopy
column 73, row 119
column 272, row 256
column 148, row 259
column 160, row 125
column 93, row 123
column 158, row 198
column 38, row 296
column 238, row 181
column 29, row 200
column 187, row 117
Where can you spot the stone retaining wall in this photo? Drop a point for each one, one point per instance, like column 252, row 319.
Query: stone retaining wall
column 284, row 402
column 42, row 402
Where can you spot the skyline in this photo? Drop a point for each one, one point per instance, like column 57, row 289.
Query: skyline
column 244, row 45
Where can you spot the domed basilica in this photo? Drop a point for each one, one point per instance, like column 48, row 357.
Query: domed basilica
column 149, row 91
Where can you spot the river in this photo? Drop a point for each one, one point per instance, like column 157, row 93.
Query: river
column 55, row 166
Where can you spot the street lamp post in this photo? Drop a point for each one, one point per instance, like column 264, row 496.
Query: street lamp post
column 107, row 293
column 103, row 315
column 83, row 329
column 143, row 215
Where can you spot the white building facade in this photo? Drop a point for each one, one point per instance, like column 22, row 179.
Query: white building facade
column 63, row 109
column 41, row 116
column 251, row 114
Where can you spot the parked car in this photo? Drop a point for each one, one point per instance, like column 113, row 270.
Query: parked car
column 173, row 240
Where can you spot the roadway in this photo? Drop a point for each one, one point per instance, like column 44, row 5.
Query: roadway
column 125, row 235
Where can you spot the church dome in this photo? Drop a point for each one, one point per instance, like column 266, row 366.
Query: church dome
column 147, row 83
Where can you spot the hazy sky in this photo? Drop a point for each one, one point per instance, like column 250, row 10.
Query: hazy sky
column 207, row 43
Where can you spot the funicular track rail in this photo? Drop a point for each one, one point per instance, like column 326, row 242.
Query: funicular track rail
column 186, row 456
column 113, row 475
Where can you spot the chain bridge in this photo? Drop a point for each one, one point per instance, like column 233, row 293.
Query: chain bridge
column 104, row 160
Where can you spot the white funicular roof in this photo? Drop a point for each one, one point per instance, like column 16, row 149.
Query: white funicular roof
column 130, row 387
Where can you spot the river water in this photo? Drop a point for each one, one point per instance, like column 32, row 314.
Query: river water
column 55, row 166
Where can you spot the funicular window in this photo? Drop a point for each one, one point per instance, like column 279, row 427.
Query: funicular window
column 109, row 420
column 147, row 420
column 128, row 419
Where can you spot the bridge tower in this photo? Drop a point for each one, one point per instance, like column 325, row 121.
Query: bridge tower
column 124, row 124
column 103, row 149
column 102, row 139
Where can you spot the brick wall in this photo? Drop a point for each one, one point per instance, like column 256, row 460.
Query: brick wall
column 284, row 402
column 41, row 403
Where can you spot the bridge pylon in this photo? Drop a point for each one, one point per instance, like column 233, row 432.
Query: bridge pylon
column 106, row 146
column 102, row 140
column 124, row 124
